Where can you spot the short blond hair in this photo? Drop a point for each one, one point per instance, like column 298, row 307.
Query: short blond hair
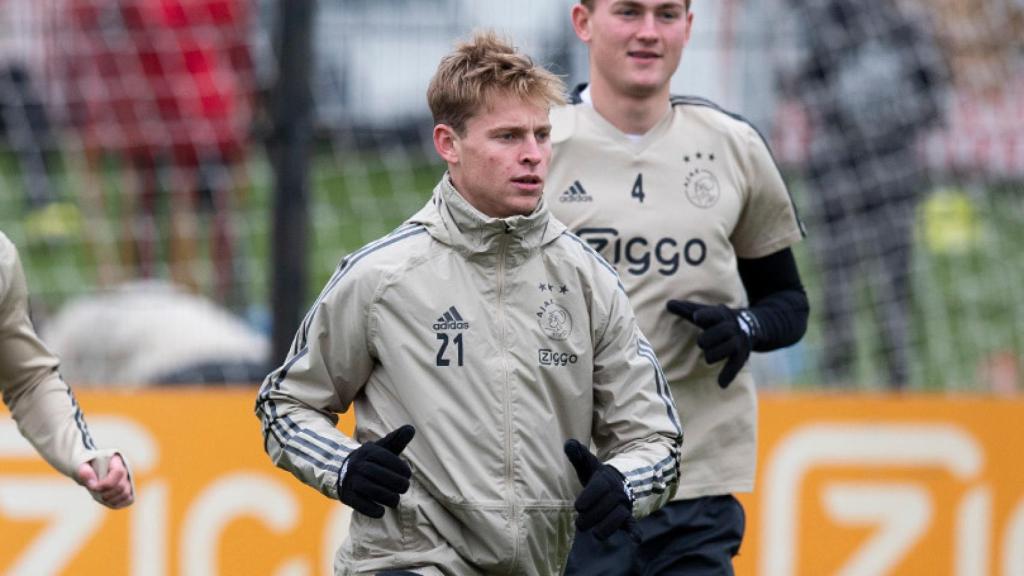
column 481, row 67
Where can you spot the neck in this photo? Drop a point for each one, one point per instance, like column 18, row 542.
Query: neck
column 632, row 114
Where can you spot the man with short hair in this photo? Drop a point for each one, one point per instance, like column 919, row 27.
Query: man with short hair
column 686, row 201
column 483, row 348
column 41, row 402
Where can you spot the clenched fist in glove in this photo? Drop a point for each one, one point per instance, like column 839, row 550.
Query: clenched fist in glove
column 374, row 476
column 727, row 334
column 606, row 502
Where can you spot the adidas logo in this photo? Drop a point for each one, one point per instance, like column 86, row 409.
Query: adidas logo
column 575, row 193
column 450, row 320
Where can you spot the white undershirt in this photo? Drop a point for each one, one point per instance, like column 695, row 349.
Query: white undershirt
column 585, row 97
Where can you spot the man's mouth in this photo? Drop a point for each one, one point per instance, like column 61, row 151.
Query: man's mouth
column 528, row 181
column 643, row 55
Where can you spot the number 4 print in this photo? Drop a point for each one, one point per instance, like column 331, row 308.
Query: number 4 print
column 638, row 188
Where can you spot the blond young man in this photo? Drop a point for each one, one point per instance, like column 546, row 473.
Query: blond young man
column 482, row 347
column 42, row 403
column 685, row 200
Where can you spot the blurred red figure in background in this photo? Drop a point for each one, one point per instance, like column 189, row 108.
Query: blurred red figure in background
column 165, row 84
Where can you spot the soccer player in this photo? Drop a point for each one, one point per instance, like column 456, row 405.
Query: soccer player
column 864, row 177
column 685, row 201
column 483, row 348
column 42, row 403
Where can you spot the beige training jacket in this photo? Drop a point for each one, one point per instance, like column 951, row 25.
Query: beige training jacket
column 40, row 401
column 498, row 339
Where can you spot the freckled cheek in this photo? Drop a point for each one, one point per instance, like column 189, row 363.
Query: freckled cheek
column 484, row 163
column 499, row 165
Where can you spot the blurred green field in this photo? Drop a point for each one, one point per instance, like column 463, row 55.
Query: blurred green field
column 968, row 270
column 968, row 311
column 354, row 199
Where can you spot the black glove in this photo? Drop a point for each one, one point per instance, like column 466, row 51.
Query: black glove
column 375, row 475
column 727, row 333
column 605, row 504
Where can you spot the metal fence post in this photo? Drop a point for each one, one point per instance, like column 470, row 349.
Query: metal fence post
column 291, row 115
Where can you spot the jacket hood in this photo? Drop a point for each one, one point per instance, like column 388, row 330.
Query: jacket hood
column 452, row 220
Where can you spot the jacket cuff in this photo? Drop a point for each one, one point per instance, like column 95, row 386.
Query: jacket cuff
column 627, row 488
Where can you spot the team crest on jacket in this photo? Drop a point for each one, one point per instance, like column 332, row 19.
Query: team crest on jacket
column 554, row 320
column 701, row 185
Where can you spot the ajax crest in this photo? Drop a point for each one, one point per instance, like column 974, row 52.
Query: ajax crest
column 554, row 320
column 701, row 185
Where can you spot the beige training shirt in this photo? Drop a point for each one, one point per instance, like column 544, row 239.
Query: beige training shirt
column 672, row 210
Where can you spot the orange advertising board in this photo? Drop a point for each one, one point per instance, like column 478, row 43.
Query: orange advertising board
column 846, row 485
column 887, row 485
column 209, row 501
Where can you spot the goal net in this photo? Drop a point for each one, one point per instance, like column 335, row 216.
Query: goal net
column 133, row 133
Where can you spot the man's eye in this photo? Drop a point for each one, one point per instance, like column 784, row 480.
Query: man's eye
column 670, row 16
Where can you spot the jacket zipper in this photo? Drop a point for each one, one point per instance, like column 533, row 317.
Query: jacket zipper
column 502, row 247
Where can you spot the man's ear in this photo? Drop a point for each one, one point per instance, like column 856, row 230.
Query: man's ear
column 446, row 143
column 689, row 27
column 581, row 22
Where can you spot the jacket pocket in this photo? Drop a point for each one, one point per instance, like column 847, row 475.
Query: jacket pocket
column 375, row 537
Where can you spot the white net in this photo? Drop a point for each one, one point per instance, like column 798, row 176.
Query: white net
column 132, row 158
column 133, row 131
column 902, row 124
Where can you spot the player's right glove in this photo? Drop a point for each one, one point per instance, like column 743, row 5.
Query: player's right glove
column 606, row 502
column 373, row 476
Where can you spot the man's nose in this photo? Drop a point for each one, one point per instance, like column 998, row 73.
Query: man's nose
column 531, row 153
column 648, row 31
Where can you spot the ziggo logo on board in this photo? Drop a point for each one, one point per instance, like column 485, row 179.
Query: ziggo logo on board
column 899, row 512
column 71, row 518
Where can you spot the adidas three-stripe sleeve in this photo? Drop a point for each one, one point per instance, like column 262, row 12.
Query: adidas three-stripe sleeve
column 299, row 402
column 40, row 401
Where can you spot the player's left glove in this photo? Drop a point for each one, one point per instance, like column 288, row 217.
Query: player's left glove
column 727, row 333
column 606, row 502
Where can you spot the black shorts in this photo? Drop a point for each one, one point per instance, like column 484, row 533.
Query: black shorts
column 689, row 537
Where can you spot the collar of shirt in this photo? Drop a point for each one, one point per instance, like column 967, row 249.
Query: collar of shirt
column 589, row 101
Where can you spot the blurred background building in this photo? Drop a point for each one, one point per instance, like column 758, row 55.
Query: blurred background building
column 136, row 142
